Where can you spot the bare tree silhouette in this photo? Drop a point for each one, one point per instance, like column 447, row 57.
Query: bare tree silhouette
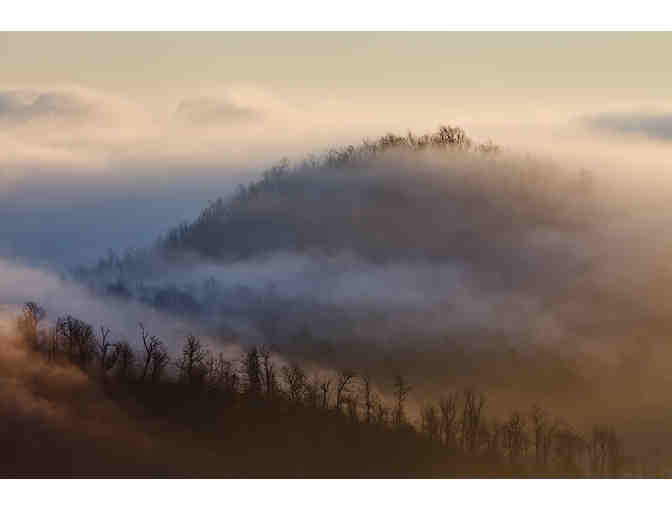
column 79, row 338
column 604, row 451
column 252, row 369
column 515, row 438
column 52, row 341
column 220, row 374
column 470, row 422
column 151, row 344
column 270, row 381
column 569, row 446
column 448, row 408
column 191, row 365
column 401, row 391
column 159, row 362
column 352, row 406
column 107, row 352
column 431, row 422
column 369, row 398
column 324, row 389
column 28, row 323
column 343, row 382
column 543, row 431
column 381, row 413
column 125, row 360
column 312, row 392
column 295, row 381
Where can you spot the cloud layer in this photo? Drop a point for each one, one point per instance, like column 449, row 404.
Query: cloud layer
column 657, row 126
column 25, row 106
column 212, row 111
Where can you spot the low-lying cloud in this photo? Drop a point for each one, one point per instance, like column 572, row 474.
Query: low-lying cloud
column 209, row 111
column 26, row 105
column 657, row 126
column 524, row 278
column 61, row 297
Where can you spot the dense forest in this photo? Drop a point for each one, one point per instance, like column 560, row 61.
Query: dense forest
column 202, row 414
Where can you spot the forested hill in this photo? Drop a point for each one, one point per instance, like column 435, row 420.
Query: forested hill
column 333, row 203
column 423, row 237
column 438, row 196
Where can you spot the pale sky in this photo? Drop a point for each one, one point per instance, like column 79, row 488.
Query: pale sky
column 371, row 71
column 329, row 85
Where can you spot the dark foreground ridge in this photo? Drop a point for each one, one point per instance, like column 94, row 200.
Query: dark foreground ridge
column 77, row 405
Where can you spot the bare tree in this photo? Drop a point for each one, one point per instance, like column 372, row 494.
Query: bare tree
column 352, row 404
column 543, row 432
column 312, row 392
column 401, row 391
column 485, row 437
column 252, row 369
column 615, row 459
column 471, row 420
column 448, row 408
column 448, row 136
column 29, row 322
column 324, row 389
column 53, row 343
column 569, row 446
column 381, row 412
column 368, row 398
column 515, row 438
column 344, row 380
column 270, row 381
column 431, row 423
column 159, row 362
column 151, row 345
column 604, row 451
column 191, row 365
column 125, row 360
column 219, row 372
column 80, row 339
column 495, row 441
column 107, row 351
column 295, row 380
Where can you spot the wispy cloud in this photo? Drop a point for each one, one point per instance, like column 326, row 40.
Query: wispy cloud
column 208, row 111
column 26, row 105
column 655, row 125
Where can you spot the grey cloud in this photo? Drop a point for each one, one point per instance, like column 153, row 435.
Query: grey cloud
column 204, row 110
column 652, row 125
column 21, row 106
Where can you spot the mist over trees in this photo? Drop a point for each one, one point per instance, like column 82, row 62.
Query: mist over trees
column 302, row 424
column 451, row 263
column 312, row 251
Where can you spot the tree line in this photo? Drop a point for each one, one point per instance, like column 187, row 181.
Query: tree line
column 457, row 426
column 445, row 138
